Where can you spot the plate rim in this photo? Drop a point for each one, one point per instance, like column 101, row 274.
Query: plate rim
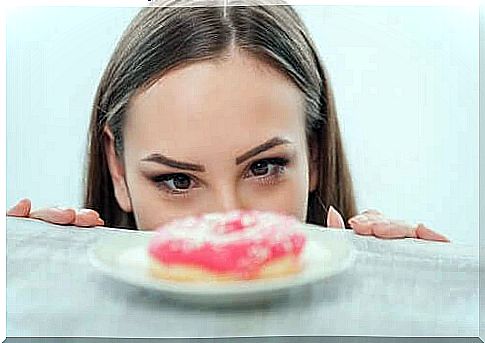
column 208, row 289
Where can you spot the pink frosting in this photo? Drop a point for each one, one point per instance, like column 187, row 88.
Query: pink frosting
column 237, row 242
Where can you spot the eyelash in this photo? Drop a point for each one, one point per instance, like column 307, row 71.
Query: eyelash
column 160, row 182
column 278, row 163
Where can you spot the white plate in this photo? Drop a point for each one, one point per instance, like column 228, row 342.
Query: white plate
column 125, row 259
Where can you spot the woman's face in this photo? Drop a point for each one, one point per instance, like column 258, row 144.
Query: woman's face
column 214, row 136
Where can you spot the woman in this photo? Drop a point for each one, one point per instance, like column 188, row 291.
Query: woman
column 207, row 109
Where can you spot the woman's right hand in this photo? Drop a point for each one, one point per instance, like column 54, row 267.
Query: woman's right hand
column 62, row 216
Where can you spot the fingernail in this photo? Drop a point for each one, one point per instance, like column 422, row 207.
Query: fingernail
column 333, row 211
column 334, row 219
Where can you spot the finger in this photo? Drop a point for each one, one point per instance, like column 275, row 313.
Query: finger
column 361, row 224
column 424, row 233
column 389, row 230
column 86, row 218
column 368, row 216
column 334, row 219
column 378, row 226
column 371, row 212
column 21, row 209
column 55, row 215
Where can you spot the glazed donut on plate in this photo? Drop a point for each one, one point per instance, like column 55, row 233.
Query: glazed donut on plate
column 232, row 246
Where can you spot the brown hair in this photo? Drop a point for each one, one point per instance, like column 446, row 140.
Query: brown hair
column 160, row 39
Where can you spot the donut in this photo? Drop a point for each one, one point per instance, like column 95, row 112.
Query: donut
column 231, row 246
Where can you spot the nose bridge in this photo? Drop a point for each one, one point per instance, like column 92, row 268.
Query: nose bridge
column 226, row 198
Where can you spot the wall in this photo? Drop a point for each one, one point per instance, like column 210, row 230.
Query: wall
column 405, row 81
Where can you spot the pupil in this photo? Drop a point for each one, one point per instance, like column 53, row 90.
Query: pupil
column 260, row 168
column 181, row 181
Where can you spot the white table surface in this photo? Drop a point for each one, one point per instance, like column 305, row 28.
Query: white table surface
column 395, row 288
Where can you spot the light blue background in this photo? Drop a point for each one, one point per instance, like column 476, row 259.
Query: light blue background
column 405, row 81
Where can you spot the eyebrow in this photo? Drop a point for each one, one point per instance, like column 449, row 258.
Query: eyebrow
column 269, row 144
column 161, row 159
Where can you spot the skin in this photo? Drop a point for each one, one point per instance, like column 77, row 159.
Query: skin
column 221, row 125
column 190, row 129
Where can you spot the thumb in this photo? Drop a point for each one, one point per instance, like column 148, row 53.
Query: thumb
column 21, row 209
column 334, row 219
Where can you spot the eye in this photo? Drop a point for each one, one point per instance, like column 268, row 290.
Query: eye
column 270, row 167
column 175, row 183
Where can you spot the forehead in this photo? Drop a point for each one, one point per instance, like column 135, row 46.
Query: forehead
column 222, row 106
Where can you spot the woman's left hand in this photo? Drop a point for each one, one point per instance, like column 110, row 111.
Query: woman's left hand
column 372, row 222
